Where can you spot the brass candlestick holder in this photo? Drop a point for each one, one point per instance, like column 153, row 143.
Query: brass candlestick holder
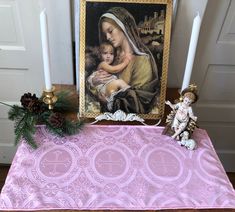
column 49, row 97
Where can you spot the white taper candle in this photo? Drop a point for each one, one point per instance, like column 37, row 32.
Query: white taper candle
column 45, row 49
column 191, row 51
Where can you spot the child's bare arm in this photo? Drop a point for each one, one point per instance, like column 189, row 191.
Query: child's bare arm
column 191, row 115
column 170, row 104
column 114, row 69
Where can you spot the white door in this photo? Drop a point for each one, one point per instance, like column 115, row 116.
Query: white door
column 214, row 73
column 21, row 67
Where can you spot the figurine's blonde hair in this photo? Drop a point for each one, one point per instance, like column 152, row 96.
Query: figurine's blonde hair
column 190, row 92
column 190, row 95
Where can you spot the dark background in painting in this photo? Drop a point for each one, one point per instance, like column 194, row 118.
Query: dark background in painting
column 95, row 9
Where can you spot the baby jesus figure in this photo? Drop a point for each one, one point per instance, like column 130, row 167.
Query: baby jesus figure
column 183, row 113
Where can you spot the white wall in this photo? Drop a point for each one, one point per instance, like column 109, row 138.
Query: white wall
column 182, row 26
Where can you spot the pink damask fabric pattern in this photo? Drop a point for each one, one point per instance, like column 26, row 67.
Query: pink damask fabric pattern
column 116, row 167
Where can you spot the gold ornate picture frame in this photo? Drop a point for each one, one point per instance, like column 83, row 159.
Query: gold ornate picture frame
column 145, row 25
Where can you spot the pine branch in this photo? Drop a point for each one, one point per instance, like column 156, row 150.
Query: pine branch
column 56, row 131
column 70, row 128
column 65, row 103
column 16, row 112
column 25, row 128
column 30, row 140
column 3, row 103
column 44, row 118
column 34, row 111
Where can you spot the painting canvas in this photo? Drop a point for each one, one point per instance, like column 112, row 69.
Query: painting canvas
column 122, row 56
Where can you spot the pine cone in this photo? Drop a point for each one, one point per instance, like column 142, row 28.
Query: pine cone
column 56, row 120
column 31, row 102
column 27, row 98
column 35, row 106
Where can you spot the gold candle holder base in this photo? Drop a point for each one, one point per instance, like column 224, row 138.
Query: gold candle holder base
column 49, row 97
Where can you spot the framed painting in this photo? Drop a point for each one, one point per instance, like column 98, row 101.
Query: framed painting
column 123, row 56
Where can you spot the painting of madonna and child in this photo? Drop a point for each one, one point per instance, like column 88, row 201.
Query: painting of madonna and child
column 124, row 50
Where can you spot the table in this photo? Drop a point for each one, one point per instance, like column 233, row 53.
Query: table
column 117, row 167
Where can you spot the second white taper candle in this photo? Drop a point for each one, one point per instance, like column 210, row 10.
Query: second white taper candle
column 191, row 51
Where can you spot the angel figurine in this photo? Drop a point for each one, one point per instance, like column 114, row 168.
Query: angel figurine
column 181, row 117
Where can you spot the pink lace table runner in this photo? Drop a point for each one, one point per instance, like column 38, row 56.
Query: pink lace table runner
column 116, row 167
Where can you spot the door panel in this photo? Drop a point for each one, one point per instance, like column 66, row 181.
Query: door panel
column 217, row 76
column 21, row 65
column 15, row 65
column 214, row 73
column 227, row 34
column 11, row 36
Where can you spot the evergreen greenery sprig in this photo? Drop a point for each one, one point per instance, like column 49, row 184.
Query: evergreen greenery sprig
column 34, row 111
